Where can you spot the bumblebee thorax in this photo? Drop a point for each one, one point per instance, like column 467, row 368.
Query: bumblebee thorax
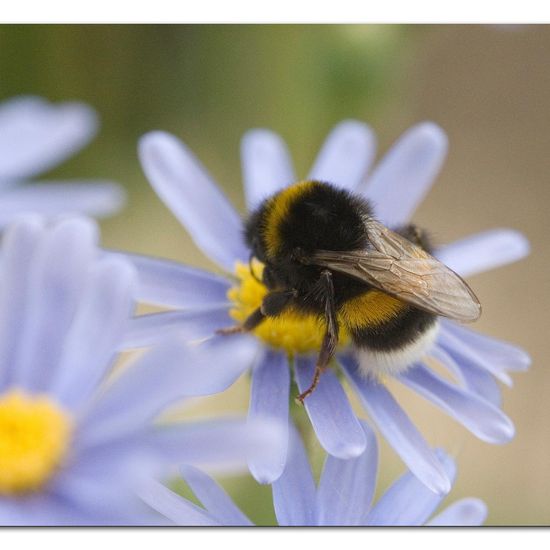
column 308, row 215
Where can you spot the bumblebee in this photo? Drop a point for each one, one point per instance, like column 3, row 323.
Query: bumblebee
column 325, row 255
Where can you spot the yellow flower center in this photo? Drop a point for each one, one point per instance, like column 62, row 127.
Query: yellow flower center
column 291, row 331
column 34, row 438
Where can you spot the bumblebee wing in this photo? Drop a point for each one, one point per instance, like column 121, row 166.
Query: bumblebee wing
column 400, row 268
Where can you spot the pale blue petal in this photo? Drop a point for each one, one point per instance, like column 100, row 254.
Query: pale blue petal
column 36, row 135
column 59, row 273
column 346, row 155
column 49, row 199
column 43, row 510
column 470, row 376
column 490, row 351
column 476, row 414
column 269, row 395
column 172, row 506
column 124, row 458
column 405, row 174
column 407, row 502
column 294, row 493
column 19, row 246
column 467, row 512
column 171, row 371
column 151, row 329
column 398, row 430
column 108, row 494
column 95, row 333
column 484, row 251
column 266, row 165
column 346, row 487
column 223, row 444
column 463, row 353
column 481, row 383
column 101, row 478
column 11, row 514
column 48, row 509
column 330, row 412
column 170, row 284
column 216, row 501
column 186, row 188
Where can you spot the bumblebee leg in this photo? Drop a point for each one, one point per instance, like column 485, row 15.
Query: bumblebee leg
column 272, row 304
column 330, row 339
column 250, row 323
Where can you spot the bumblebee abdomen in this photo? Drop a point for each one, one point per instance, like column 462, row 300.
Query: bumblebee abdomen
column 379, row 321
column 389, row 335
column 370, row 309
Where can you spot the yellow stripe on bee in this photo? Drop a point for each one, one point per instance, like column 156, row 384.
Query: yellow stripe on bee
column 278, row 209
column 370, row 309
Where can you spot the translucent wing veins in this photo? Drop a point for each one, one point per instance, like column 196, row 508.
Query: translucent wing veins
column 404, row 270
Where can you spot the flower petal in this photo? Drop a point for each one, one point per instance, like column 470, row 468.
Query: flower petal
column 168, row 283
column 470, row 376
column 59, row 273
column 266, row 164
column 467, row 512
column 346, row 487
column 151, row 329
column 294, row 497
column 185, row 187
column 346, row 155
column 269, row 400
column 36, row 135
column 94, row 198
column 20, row 242
column 463, row 353
column 398, row 429
column 489, row 351
column 171, row 371
column 484, row 251
column 405, row 174
column 221, row 445
column 330, row 412
column 95, row 333
column 407, row 502
column 43, row 510
column 479, row 416
column 175, row 508
column 216, row 501
column 106, row 493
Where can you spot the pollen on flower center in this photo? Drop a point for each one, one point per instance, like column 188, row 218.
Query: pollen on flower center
column 34, row 438
column 291, row 331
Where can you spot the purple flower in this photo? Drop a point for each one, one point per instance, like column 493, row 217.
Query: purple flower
column 204, row 302
column 36, row 136
column 342, row 498
column 74, row 445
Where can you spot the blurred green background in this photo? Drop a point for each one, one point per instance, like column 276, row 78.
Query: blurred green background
column 487, row 86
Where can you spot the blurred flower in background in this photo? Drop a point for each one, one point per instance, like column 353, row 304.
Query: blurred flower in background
column 73, row 445
column 35, row 136
column 207, row 302
column 343, row 497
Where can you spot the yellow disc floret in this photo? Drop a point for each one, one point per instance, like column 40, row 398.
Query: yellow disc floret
column 291, row 331
column 34, row 438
